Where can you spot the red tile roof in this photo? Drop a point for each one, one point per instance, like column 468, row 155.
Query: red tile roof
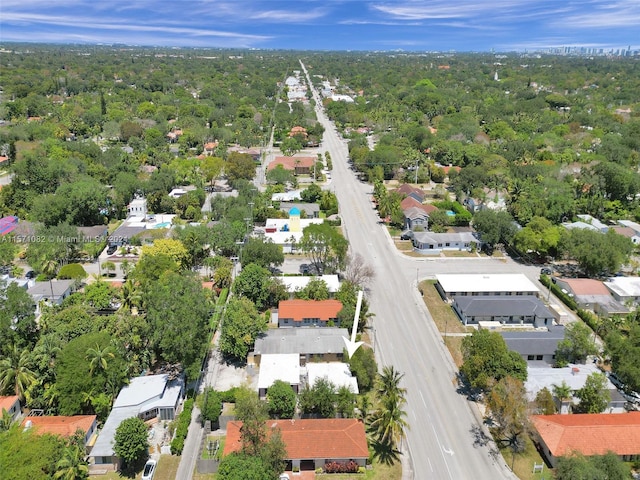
column 300, row 309
column 412, row 202
column 290, row 163
column 406, row 189
column 326, row 438
column 58, row 425
column 7, row 402
column 3, row 158
column 590, row 434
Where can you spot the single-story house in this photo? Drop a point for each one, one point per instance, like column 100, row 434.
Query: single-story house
column 279, row 366
column 589, row 434
column 624, row 289
column 591, row 294
column 337, row 373
column 291, row 196
column 294, row 284
column 594, row 222
column 538, row 345
column 312, row 443
column 509, row 310
column 137, row 225
column 451, row 285
column 148, row 397
column 541, row 375
column 286, row 232
column 308, row 313
column 630, row 224
column 628, row 232
column 64, row 426
column 311, row 210
column 297, row 165
column 434, row 243
column 96, row 233
column 53, row 292
column 407, row 190
column 409, row 202
column 312, row 344
column 253, row 151
column 10, row 404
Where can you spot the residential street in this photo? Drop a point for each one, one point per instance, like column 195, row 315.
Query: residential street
column 441, row 438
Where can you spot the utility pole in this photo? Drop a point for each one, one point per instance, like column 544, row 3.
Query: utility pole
column 416, row 172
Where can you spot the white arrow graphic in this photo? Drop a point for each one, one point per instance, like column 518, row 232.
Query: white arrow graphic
column 447, row 451
column 352, row 345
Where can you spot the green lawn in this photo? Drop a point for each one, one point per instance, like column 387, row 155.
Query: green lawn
column 523, row 464
column 166, row 470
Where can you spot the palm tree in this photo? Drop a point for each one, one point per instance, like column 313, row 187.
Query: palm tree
column 15, row 372
column 98, row 358
column 130, row 295
column 388, row 385
column 388, row 422
column 72, row 465
column 50, row 267
column 563, row 393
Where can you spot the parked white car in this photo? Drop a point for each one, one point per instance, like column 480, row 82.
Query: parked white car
column 149, row 470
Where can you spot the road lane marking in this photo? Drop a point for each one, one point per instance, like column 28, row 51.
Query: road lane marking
column 425, row 403
column 430, row 465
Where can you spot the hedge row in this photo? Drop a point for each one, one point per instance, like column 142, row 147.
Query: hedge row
column 557, row 291
column 182, row 428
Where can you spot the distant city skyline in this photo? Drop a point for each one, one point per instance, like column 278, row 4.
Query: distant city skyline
column 408, row 25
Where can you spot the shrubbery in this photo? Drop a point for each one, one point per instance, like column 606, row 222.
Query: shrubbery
column 338, row 467
column 182, row 428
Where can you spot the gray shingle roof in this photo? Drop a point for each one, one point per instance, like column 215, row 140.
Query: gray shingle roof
column 301, row 340
column 534, row 343
column 502, row 306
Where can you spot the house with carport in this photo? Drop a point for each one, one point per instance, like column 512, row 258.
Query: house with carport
column 591, row 294
column 312, row 443
column 588, row 434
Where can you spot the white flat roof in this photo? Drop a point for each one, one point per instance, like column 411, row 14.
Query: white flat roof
column 574, row 375
column 141, row 389
column 151, row 221
column 499, row 282
column 280, row 366
column 624, row 286
column 281, row 222
column 295, row 283
column 337, row 373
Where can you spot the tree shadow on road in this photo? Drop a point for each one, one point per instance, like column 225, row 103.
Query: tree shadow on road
column 481, row 439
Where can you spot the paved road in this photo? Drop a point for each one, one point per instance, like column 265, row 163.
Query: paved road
column 441, row 439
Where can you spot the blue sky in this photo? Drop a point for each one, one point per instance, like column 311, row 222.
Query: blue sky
column 461, row 25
